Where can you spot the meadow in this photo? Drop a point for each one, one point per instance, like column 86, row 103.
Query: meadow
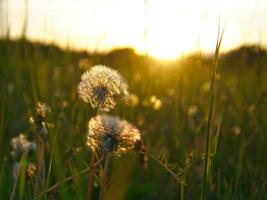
column 169, row 104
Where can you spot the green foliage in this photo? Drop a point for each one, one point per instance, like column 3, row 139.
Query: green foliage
column 30, row 73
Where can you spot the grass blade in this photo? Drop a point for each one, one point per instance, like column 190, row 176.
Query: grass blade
column 208, row 141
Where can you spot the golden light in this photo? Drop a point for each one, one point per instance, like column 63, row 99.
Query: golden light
column 173, row 27
column 168, row 33
column 178, row 27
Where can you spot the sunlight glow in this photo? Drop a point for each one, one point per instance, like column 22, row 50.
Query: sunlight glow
column 173, row 27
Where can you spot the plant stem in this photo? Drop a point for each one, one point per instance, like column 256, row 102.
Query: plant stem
column 40, row 166
column 20, row 171
column 104, row 181
column 91, row 171
column 51, row 188
column 91, row 176
column 182, row 192
column 15, row 186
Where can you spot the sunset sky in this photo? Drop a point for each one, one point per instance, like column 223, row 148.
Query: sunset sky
column 173, row 26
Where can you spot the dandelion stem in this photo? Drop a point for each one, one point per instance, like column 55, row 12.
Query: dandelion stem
column 182, row 191
column 104, row 181
column 92, row 171
column 15, row 186
column 68, row 179
column 40, row 166
column 91, row 176
column 24, row 156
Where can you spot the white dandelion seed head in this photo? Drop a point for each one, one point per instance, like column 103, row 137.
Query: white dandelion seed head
column 111, row 134
column 100, row 85
column 20, row 144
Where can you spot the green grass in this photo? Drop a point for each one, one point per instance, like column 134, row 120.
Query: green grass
column 30, row 73
column 211, row 139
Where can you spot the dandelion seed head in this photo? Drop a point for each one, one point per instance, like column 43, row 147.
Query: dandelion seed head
column 192, row 110
column 153, row 99
column 20, row 144
column 170, row 92
column 111, row 134
column 236, row 130
column 205, row 87
column 84, row 64
column 157, row 104
column 251, row 109
column 100, row 85
column 65, row 104
column 132, row 100
column 100, row 93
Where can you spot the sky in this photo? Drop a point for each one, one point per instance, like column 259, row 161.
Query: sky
column 172, row 27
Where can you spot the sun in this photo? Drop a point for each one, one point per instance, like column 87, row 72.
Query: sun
column 170, row 33
column 166, row 47
column 165, row 51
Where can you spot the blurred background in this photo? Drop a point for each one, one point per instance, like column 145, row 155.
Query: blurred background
column 163, row 29
column 165, row 51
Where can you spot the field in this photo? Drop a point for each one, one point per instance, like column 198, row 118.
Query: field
column 170, row 106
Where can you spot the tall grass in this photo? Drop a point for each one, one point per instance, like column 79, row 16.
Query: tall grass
column 209, row 137
column 33, row 72
column 209, row 131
